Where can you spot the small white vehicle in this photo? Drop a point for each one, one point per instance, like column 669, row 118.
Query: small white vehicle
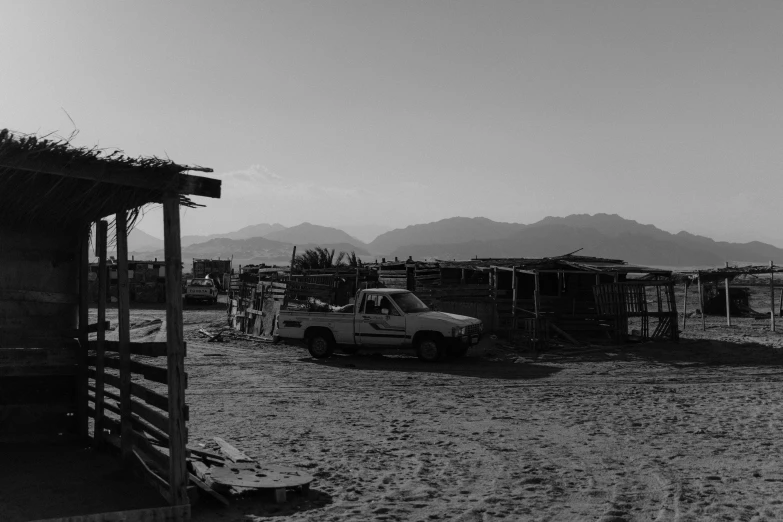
column 382, row 317
column 201, row 290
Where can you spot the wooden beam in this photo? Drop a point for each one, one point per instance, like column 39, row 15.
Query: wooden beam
column 701, row 303
column 178, row 473
column 84, row 303
column 772, row 296
column 101, row 240
column 233, row 454
column 123, row 300
column 48, row 297
column 685, row 305
column 146, row 348
column 728, row 302
column 156, row 180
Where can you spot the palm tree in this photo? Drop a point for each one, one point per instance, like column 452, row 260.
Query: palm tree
column 353, row 261
column 317, row 258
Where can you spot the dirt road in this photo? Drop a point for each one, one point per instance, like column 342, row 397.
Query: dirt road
column 646, row 432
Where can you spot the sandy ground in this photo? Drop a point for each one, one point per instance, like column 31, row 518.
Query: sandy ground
column 642, row 432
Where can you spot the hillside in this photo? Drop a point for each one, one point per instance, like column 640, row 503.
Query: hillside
column 307, row 233
column 140, row 241
column 444, row 232
column 601, row 235
column 251, row 231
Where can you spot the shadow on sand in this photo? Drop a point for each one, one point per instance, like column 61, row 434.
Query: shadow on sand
column 688, row 353
column 260, row 506
column 468, row 366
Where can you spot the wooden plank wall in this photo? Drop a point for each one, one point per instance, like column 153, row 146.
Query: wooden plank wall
column 149, row 401
column 39, row 297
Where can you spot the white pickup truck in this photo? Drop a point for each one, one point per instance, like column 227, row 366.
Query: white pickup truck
column 382, row 317
column 201, row 289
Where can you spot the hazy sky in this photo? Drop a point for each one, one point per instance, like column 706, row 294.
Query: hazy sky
column 396, row 113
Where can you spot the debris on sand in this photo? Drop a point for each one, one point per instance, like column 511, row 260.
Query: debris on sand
column 233, row 474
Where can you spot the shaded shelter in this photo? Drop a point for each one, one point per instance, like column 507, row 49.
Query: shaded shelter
column 54, row 379
column 570, row 296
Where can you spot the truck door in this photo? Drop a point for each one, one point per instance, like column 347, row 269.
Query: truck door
column 379, row 322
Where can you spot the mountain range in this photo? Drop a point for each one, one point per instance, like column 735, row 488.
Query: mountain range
column 603, row 235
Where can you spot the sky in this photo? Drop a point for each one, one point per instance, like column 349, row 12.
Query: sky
column 386, row 114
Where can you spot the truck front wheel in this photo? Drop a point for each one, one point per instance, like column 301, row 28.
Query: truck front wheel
column 430, row 349
column 320, row 346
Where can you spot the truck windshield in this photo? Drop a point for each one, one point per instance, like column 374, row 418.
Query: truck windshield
column 409, row 303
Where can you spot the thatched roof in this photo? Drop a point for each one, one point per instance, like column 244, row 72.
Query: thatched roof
column 50, row 182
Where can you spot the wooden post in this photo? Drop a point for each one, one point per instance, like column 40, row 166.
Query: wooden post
column 178, row 473
column 772, row 296
column 514, row 285
column 356, row 286
column 537, row 294
column 84, row 303
column 101, row 238
column 462, row 277
column 123, row 315
column 685, row 305
column 701, row 303
column 495, row 315
column 780, row 300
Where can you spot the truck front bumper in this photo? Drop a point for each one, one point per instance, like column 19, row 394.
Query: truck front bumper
column 465, row 340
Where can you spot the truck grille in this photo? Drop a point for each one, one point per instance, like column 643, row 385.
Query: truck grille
column 473, row 329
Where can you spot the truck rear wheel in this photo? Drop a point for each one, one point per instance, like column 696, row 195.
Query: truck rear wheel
column 320, row 346
column 430, row 349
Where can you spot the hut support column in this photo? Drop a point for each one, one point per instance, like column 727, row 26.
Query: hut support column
column 701, row 303
column 178, row 474
column 771, row 296
column 514, row 285
column 728, row 302
column 101, row 238
column 537, row 295
column 84, row 297
column 123, row 308
column 685, row 305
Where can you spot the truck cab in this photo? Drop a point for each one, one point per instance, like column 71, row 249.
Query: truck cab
column 382, row 317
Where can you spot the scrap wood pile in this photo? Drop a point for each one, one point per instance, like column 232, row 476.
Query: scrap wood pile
column 224, row 471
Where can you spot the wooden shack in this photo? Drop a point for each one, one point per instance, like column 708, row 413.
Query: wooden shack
column 57, row 386
column 535, row 297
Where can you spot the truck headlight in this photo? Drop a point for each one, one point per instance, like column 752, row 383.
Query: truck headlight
column 458, row 332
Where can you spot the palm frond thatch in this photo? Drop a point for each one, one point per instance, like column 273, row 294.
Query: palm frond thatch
column 36, row 188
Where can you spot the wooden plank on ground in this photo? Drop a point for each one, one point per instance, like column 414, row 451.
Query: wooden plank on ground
column 231, row 452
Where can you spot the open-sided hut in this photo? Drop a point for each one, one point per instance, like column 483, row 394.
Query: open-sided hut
column 572, row 296
column 52, row 377
column 716, row 295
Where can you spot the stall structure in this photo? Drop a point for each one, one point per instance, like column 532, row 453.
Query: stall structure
column 716, row 295
column 568, row 296
column 57, row 385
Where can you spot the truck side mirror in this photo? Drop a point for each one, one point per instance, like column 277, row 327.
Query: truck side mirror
column 384, row 311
